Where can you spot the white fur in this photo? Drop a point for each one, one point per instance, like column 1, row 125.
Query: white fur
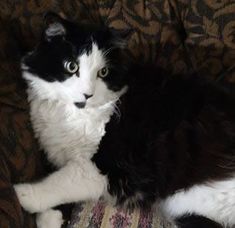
column 90, row 64
column 49, row 219
column 55, row 29
column 214, row 200
column 69, row 136
column 76, row 181
column 66, row 132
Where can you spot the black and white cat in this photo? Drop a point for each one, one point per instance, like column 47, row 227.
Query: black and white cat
column 171, row 143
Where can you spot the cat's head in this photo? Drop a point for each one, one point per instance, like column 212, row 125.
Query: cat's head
column 76, row 64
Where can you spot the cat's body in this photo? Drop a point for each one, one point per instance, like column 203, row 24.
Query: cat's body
column 179, row 134
column 172, row 143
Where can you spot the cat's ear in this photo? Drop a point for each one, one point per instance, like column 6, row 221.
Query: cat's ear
column 120, row 37
column 53, row 26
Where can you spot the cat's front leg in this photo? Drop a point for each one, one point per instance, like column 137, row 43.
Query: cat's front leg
column 72, row 183
column 50, row 218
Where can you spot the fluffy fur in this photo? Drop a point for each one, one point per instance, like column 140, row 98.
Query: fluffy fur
column 179, row 134
column 50, row 218
column 173, row 142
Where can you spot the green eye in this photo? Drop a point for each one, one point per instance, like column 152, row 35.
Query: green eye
column 71, row 67
column 103, row 72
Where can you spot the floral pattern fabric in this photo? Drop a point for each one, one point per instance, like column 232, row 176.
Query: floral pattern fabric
column 100, row 215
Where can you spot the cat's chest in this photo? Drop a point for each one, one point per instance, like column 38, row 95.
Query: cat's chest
column 66, row 133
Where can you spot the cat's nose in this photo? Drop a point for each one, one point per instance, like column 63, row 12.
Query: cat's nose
column 87, row 96
column 80, row 104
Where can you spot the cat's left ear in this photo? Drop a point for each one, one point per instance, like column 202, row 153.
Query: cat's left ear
column 53, row 26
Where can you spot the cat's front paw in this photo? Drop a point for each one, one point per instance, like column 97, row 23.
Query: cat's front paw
column 28, row 197
column 50, row 218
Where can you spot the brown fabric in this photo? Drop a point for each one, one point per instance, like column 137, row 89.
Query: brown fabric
column 180, row 35
column 210, row 28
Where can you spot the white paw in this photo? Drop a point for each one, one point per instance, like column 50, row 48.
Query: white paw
column 28, row 197
column 49, row 219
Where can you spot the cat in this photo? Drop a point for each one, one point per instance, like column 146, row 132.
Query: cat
column 130, row 133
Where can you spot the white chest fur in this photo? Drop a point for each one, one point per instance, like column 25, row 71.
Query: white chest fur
column 67, row 133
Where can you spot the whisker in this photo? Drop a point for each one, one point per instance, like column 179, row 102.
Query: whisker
column 106, row 52
column 117, row 110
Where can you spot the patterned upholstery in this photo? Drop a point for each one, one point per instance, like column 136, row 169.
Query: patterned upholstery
column 101, row 215
column 180, row 35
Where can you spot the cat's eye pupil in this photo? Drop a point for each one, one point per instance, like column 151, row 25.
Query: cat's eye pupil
column 72, row 66
column 104, row 71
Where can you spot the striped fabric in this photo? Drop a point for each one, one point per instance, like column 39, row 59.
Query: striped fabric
column 100, row 215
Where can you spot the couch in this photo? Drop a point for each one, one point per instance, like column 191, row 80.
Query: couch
column 180, row 35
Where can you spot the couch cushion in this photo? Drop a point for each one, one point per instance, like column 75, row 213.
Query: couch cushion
column 101, row 215
column 210, row 40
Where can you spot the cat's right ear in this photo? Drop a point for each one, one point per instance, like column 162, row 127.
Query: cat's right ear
column 53, row 26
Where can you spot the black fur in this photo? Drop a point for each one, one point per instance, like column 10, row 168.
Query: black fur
column 196, row 221
column 174, row 132
column 66, row 210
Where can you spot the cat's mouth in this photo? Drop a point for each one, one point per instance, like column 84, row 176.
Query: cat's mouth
column 80, row 104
